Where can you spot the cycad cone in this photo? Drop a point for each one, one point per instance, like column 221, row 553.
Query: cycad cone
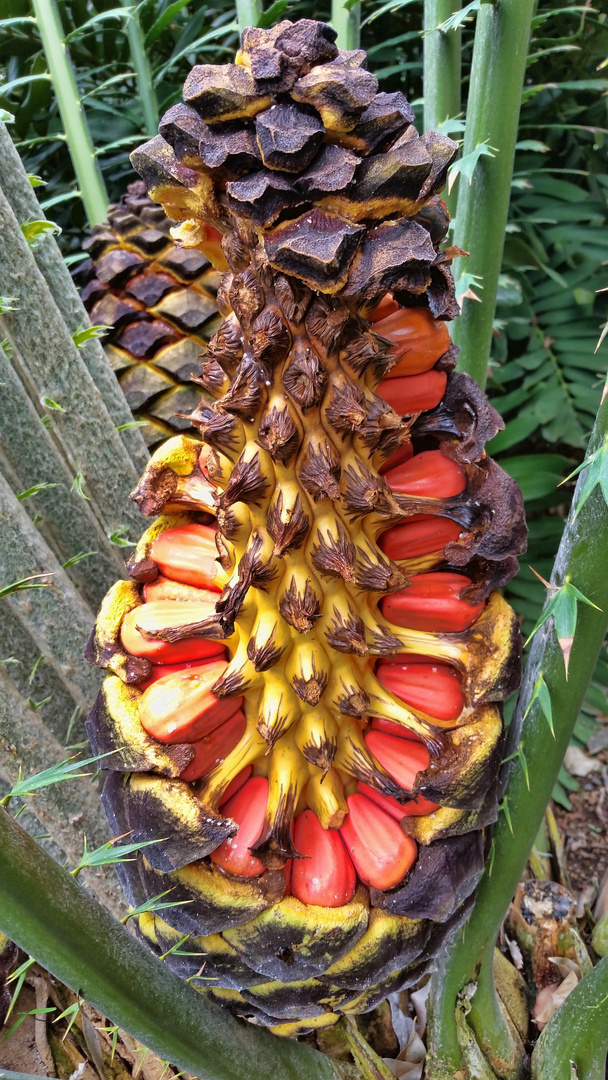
column 318, row 804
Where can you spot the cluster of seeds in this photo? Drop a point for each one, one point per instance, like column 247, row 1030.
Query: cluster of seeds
column 309, row 659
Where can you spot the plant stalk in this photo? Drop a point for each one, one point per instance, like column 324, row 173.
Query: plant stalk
column 442, row 64
column 249, row 12
column 80, row 145
column 47, row 914
column 143, row 72
column 346, row 21
column 581, row 558
column 497, row 73
column 441, row 79
column 578, row 1033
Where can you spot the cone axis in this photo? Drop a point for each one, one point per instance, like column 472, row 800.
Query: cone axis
column 349, row 648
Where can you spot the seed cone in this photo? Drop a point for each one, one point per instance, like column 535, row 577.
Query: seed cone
column 356, row 545
column 159, row 302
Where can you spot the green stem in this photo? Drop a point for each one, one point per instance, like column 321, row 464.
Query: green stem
column 48, row 915
column 88, row 174
column 249, row 12
column 347, row 24
column 442, row 63
column 581, row 556
column 143, row 72
column 497, row 73
column 578, row 1032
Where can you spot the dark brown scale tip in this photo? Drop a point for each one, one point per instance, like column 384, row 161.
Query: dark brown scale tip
column 448, row 361
column 142, row 570
column 395, row 256
column 326, row 321
column 464, row 420
column 383, row 642
column 275, row 845
column 366, row 349
column 212, row 377
column 264, row 656
column 364, row 767
column 384, row 429
column 225, row 559
column 280, row 55
column 236, row 252
column 227, row 522
column 209, row 628
column 273, row 731
column 347, row 635
column 487, row 576
column 293, row 297
column 317, row 247
column 270, row 339
column 347, row 409
column 246, row 297
column 334, row 557
column 311, row 690
column 278, row 434
column 244, row 395
column 300, row 610
column 223, row 295
column 217, row 427
column 154, row 490
column 353, row 702
column 288, row 137
column 366, row 493
column 319, row 473
column 229, row 152
column 497, row 528
column 262, row 196
column 378, row 574
column 231, row 684
column 226, row 346
column 183, row 129
column 321, row 754
column 137, row 668
column 338, row 92
column 287, row 534
column 332, row 170
column 305, row 379
column 439, row 297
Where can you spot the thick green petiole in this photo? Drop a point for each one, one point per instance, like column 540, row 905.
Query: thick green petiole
column 346, row 21
column 581, row 557
column 50, row 917
column 578, row 1033
column 497, row 73
column 442, row 75
column 248, row 12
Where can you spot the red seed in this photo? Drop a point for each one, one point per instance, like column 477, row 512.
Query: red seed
column 247, row 808
column 386, row 307
column 418, row 340
column 166, row 589
column 404, row 453
column 326, row 875
column 188, row 554
column 433, row 688
column 430, row 475
column 236, row 784
column 403, row 759
column 213, row 748
column 413, row 393
column 287, row 872
column 182, row 707
column 417, row 807
column 381, row 852
column 162, row 614
column 431, row 603
column 160, row 670
column 420, row 535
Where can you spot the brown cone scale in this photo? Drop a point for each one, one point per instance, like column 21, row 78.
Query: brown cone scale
column 327, row 203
